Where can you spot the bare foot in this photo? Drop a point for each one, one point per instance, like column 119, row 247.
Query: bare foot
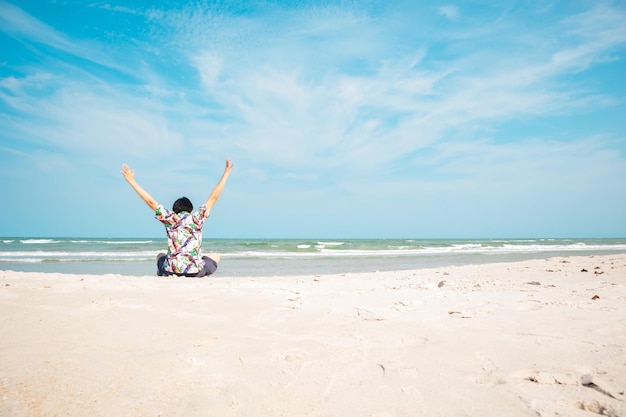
column 215, row 256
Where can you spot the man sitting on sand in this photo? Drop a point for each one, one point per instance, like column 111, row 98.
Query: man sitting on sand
column 184, row 230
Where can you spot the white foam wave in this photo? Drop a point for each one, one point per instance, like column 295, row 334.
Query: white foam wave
column 22, row 260
column 310, row 251
column 42, row 260
column 457, row 249
column 37, row 241
column 113, row 242
column 25, row 256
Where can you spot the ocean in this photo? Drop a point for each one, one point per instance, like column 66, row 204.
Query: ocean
column 281, row 257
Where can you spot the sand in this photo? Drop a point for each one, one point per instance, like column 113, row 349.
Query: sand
column 532, row 338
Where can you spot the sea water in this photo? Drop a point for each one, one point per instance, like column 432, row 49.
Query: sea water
column 270, row 257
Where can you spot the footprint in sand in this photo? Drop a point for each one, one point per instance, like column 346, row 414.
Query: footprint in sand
column 401, row 305
column 294, row 302
column 368, row 315
column 490, row 375
column 610, row 404
column 461, row 314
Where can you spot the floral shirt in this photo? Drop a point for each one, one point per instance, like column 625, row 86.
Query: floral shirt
column 184, row 238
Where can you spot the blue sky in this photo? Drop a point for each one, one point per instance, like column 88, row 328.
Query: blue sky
column 344, row 119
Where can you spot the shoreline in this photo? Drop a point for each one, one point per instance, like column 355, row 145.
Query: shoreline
column 526, row 338
column 255, row 267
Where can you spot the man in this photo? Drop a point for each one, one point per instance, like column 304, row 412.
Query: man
column 184, row 230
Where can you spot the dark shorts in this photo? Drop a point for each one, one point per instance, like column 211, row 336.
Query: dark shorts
column 210, row 266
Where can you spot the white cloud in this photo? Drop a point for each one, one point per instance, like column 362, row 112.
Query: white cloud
column 359, row 126
column 21, row 25
column 281, row 107
column 18, row 23
column 367, row 103
column 209, row 66
column 116, row 8
column 450, row 12
column 94, row 123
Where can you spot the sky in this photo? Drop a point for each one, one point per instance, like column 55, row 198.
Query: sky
column 348, row 119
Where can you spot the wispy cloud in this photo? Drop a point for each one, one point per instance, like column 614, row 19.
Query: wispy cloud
column 18, row 23
column 275, row 87
column 71, row 53
column 451, row 12
column 376, row 95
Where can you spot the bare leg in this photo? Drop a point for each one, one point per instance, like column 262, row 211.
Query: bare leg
column 215, row 257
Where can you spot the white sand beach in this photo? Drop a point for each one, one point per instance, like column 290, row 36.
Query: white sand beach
column 532, row 338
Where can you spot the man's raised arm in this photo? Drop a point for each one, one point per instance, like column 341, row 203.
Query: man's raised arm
column 215, row 194
column 129, row 175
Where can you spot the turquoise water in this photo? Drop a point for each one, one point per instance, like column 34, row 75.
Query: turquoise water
column 269, row 257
